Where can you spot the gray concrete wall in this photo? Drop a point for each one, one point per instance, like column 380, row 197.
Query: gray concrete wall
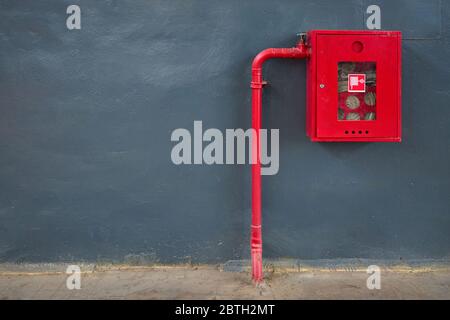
column 86, row 117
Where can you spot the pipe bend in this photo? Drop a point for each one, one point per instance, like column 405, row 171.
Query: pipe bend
column 261, row 57
column 299, row 52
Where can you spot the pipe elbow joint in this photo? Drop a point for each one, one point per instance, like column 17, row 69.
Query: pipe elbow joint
column 262, row 57
column 299, row 52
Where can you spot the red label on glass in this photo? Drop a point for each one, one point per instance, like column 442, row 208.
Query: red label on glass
column 356, row 83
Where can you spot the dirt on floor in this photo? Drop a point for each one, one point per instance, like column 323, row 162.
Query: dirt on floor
column 212, row 283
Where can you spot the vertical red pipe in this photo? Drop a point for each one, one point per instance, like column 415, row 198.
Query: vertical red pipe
column 300, row 52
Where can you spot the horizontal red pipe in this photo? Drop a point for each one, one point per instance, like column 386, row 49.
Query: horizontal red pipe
column 299, row 52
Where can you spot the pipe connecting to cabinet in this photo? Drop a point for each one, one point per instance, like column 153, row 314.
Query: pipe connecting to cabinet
column 299, row 52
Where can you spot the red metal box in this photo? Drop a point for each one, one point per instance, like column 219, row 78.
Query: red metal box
column 354, row 86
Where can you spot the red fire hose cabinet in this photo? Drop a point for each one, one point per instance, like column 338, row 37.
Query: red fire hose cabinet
column 354, row 86
column 353, row 94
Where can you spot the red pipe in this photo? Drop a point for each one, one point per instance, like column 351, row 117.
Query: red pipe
column 299, row 52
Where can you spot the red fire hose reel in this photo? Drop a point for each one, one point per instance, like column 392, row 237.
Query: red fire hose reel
column 353, row 95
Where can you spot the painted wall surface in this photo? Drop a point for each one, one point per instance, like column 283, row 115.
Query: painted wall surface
column 86, row 118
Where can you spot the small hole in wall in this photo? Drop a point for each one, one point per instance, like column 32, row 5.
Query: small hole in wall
column 360, row 132
column 367, row 131
column 346, row 132
column 353, row 132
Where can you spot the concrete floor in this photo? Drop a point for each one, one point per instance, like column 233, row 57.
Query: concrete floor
column 211, row 283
